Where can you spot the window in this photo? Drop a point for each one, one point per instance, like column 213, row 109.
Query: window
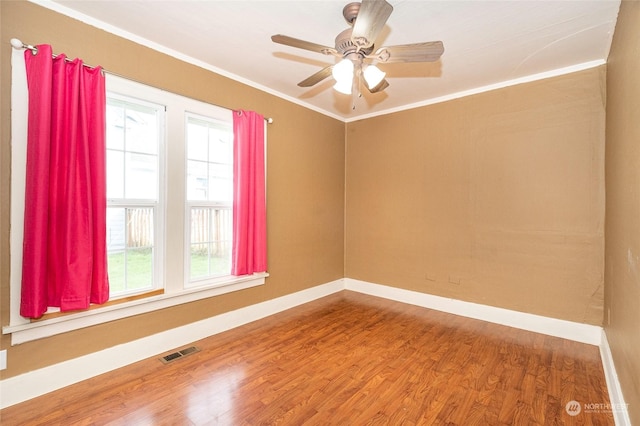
column 145, row 211
column 209, row 198
column 135, row 130
column 169, row 190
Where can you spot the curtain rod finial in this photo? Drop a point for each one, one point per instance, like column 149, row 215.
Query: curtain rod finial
column 17, row 44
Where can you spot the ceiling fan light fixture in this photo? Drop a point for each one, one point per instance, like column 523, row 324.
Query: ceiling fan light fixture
column 356, row 47
column 373, row 76
column 343, row 72
column 343, row 87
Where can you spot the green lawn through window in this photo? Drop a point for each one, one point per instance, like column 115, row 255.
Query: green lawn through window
column 139, row 269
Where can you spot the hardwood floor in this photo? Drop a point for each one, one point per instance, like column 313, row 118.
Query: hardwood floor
column 346, row 359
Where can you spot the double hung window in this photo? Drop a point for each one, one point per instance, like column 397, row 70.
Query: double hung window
column 209, row 197
column 169, row 205
column 134, row 140
column 169, row 190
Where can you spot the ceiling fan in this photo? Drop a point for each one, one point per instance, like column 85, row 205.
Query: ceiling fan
column 359, row 55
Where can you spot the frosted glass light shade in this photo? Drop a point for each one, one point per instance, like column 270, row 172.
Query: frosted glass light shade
column 343, row 87
column 343, row 74
column 373, row 76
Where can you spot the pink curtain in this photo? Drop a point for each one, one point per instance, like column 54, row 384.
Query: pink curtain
column 64, row 250
column 249, row 253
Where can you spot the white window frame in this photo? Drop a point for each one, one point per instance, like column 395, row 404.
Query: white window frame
column 175, row 292
column 220, row 115
column 158, row 204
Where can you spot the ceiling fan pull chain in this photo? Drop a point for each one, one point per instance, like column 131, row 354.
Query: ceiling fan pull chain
column 357, row 84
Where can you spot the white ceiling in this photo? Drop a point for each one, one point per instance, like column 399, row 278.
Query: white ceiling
column 487, row 43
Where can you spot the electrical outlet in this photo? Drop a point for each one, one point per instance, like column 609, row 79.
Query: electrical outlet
column 3, row 360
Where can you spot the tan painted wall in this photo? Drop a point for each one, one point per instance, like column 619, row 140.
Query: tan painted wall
column 305, row 196
column 496, row 198
column 622, row 263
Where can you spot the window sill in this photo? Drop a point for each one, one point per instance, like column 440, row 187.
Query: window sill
column 61, row 324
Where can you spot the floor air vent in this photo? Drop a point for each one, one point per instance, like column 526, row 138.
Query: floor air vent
column 176, row 355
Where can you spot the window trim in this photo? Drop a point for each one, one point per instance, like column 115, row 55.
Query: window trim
column 208, row 280
column 61, row 324
column 159, row 223
column 175, row 291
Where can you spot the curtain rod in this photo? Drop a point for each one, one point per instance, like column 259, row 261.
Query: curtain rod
column 17, row 44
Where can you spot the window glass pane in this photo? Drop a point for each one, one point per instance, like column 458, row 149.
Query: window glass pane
column 220, row 189
column 115, row 125
column 141, row 176
column 209, row 180
column 134, row 135
column 219, row 259
column 117, row 280
column 199, row 250
column 209, row 170
column 139, row 227
column 141, row 128
column 221, row 171
column 139, row 266
column 197, row 148
column 210, row 248
column 221, row 150
column 129, row 248
column 139, row 252
column 115, row 174
column 133, row 141
column 115, row 229
column 130, row 239
column 197, row 181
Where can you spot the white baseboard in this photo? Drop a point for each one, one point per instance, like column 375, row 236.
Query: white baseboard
column 618, row 406
column 39, row 382
column 578, row 332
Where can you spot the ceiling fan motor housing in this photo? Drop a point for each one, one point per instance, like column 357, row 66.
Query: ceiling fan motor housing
column 344, row 44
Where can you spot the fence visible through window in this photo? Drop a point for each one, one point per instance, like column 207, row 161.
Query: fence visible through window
column 211, row 240
column 130, row 247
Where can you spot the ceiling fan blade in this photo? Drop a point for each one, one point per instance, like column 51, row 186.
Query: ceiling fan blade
column 418, row 52
column 380, row 87
column 301, row 44
column 317, row 77
column 372, row 16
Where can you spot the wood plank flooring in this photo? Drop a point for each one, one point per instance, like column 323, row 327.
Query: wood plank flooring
column 346, row 359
